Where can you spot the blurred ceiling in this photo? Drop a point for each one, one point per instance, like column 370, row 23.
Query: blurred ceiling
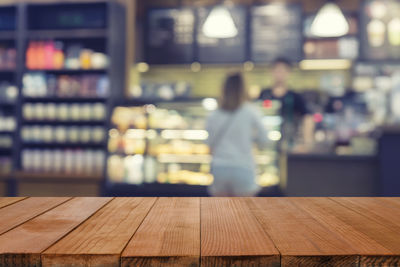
column 308, row 5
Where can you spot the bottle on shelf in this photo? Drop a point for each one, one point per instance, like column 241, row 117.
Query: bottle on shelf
column 8, row 57
column 39, row 84
column 8, row 92
column 49, row 55
column 55, row 55
column 58, row 59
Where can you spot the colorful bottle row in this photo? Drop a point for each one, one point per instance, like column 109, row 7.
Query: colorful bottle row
column 51, row 55
column 39, row 84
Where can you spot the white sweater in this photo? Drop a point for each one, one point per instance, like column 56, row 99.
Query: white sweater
column 234, row 147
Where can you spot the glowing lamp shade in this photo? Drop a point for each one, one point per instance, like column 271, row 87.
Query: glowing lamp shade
column 220, row 24
column 329, row 22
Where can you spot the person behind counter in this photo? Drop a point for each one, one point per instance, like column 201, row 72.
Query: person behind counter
column 233, row 129
column 293, row 108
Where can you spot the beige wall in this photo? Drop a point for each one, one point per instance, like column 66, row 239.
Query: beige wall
column 209, row 80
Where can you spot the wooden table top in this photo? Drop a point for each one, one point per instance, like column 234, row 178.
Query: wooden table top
column 199, row 232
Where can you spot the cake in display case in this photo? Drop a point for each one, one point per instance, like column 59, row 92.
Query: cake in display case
column 165, row 143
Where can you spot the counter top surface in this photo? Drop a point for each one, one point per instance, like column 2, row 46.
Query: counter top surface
column 199, row 232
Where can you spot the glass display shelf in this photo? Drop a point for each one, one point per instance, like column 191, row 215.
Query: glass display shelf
column 165, row 143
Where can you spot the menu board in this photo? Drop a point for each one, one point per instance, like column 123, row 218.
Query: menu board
column 276, row 32
column 67, row 16
column 170, row 36
column 224, row 50
column 381, row 30
column 7, row 18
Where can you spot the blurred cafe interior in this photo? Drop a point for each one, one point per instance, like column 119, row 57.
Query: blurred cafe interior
column 110, row 98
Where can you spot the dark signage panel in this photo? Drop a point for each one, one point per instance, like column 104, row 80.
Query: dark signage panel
column 225, row 50
column 7, row 19
column 170, row 36
column 67, row 16
column 276, row 32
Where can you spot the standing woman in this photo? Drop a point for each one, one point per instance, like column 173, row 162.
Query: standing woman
column 233, row 129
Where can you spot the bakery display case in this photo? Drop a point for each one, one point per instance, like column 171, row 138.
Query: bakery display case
column 164, row 143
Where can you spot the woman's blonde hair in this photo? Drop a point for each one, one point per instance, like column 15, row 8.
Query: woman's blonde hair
column 234, row 92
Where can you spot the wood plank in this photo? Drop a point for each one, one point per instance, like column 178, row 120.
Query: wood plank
column 386, row 261
column 22, row 211
column 358, row 240
column 393, row 200
column 22, row 245
column 377, row 209
column 6, row 201
column 169, row 236
column 301, row 240
column 384, row 247
column 231, row 235
column 100, row 240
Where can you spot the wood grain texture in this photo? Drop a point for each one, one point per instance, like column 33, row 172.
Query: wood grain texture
column 22, row 245
column 393, row 200
column 6, row 201
column 377, row 261
column 241, row 261
column 20, row 260
column 170, row 261
column 81, row 260
column 317, row 261
column 362, row 243
column 231, row 235
column 100, row 240
column 169, row 236
column 107, row 232
column 22, row 211
column 376, row 209
column 298, row 236
column 386, row 240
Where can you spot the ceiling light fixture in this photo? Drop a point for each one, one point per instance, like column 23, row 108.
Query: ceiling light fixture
column 330, row 22
column 219, row 23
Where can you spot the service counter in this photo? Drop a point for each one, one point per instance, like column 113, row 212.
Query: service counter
column 331, row 175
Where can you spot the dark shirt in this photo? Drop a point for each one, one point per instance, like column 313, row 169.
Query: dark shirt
column 293, row 108
column 293, row 104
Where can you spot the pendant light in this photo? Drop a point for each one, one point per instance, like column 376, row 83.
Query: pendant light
column 330, row 22
column 219, row 23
